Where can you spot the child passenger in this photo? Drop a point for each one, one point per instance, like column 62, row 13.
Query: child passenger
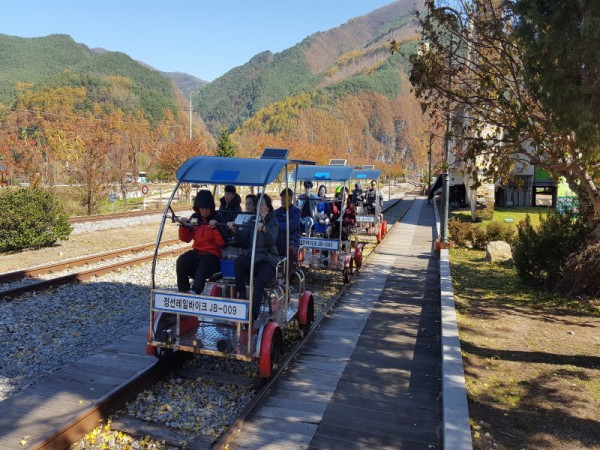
column 203, row 260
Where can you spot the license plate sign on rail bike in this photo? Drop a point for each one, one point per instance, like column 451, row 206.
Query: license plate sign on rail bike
column 369, row 219
column 193, row 304
column 320, row 244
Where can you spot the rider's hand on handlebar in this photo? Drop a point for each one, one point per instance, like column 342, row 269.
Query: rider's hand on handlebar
column 212, row 223
column 183, row 220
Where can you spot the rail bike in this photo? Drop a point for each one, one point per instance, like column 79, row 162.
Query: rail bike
column 369, row 215
column 217, row 322
column 329, row 245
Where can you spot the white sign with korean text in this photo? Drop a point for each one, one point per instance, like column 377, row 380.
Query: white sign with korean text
column 321, row 244
column 177, row 302
column 369, row 219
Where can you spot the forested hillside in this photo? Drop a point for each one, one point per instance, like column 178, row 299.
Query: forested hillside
column 340, row 93
column 38, row 63
column 72, row 115
column 356, row 48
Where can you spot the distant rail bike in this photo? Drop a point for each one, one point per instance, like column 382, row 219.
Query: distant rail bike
column 218, row 322
column 329, row 245
column 369, row 205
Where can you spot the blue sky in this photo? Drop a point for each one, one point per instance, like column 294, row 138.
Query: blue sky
column 202, row 38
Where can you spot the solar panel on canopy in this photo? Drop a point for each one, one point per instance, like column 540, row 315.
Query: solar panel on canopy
column 275, row 153
column 337, row 162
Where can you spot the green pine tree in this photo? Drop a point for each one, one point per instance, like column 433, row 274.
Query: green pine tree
column 225, row 145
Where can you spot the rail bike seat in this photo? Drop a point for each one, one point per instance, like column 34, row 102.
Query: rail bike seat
column 320, row 228
column 279, row 278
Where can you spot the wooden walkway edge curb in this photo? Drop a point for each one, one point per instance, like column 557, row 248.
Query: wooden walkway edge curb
column 455, row 409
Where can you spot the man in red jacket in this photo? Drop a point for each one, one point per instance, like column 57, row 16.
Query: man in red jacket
column 203, row 260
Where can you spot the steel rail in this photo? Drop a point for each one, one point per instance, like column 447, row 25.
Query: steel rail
column 78, row 262
column 9, row 294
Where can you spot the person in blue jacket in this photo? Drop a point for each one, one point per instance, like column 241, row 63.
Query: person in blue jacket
column 307, row 203
column 281, row 213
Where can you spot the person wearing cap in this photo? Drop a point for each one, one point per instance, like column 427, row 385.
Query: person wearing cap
column 307, row 203
column 202, row 261
column 231, row 204
column 285, row 211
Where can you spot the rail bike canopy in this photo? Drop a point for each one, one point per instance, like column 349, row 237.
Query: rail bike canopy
column 366, row 174
column 235, row 171
column 323, row 173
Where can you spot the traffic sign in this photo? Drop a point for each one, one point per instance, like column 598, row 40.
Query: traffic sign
column 145, row 189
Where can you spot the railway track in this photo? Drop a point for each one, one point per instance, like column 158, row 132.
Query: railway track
column 69, row 432
column 40, row 284
column 120, row 215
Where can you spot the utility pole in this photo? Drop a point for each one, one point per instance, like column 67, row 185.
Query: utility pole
column 191, row 93
column 444, row 236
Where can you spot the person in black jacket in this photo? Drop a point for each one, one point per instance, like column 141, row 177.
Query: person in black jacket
column 265, row 258
column 231, row 204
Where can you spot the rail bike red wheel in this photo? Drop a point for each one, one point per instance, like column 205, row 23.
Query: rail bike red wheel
column 271, row 349
column 358, row 256
column 306, row 312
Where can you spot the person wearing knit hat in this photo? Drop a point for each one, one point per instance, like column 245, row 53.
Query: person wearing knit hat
column 202, row 261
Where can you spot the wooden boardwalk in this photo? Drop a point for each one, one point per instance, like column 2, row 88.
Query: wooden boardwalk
column 371, row 378
column 30, row 416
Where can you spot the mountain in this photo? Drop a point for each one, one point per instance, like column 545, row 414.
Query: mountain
column 58, row 60
column 338, row 59
column 185, row 82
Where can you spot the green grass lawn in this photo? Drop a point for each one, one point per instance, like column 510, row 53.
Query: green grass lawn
column 510, row 215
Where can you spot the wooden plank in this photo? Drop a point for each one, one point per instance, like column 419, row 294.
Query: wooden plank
column 404, row 404
column 364, row 441
column 278, row 427
column 323, row 364
column 85, row 372
column 289, row 414
column 134, row 363
column 391, row 423
column 352, row 388
column 300, row 392
column 307, row 406
column 69, row 391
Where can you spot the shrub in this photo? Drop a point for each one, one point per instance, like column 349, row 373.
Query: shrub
column 479, row 238
column 500, row 231
column 540, row 254
column 31, row 218
column 460, row 232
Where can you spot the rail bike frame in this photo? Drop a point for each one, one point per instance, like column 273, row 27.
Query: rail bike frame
column 369, row 223
column 317, row 250
column 219, row 323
